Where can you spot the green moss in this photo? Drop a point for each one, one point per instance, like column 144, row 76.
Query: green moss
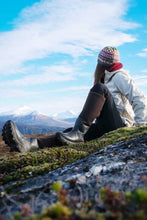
column 25, row 165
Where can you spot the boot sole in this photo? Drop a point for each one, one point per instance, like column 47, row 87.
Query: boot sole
column 9, row 136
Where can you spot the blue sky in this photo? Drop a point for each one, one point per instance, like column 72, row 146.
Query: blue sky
column 48, row 49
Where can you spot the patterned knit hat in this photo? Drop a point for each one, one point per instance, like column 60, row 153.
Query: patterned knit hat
column 108, row 56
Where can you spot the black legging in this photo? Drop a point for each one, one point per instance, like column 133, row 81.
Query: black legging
column 109, row 118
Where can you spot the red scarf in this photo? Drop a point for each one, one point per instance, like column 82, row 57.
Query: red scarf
column 114, row 67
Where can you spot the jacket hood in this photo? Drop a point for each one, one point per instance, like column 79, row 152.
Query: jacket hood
column 109, row 75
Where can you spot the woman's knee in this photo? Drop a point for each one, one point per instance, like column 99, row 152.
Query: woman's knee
column 99, row 88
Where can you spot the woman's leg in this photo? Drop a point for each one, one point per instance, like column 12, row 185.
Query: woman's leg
column 94, row 132
column 18, row 142
column 99, row 105
column 109, row 118
column 50, row 140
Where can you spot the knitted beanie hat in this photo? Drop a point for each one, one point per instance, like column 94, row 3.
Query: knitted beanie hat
column 108, row 56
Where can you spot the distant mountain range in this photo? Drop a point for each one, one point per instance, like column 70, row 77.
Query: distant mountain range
column 34, row 129
column 35, row 123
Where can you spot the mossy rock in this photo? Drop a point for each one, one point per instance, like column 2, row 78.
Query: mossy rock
column 25, row 165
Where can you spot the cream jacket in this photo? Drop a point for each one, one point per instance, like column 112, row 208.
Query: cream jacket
column 130, row 102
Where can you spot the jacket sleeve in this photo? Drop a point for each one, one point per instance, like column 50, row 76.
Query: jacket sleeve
column 127, row 87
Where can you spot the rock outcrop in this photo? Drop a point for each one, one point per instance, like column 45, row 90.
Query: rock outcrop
column 118, row 167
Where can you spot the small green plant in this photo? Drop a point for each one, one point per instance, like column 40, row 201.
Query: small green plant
column 56, row 186
column 58, row 211
column 139, row 196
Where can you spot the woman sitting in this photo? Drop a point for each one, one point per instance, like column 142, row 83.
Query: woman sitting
column 110, row 103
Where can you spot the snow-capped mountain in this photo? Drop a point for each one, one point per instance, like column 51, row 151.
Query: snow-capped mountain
column 21, row 111
column 65, row 115
column 24, row 110
column 26, row 116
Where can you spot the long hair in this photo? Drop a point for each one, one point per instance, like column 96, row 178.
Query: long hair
column 99, row 74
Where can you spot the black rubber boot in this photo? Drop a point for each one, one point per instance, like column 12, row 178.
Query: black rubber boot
column 75, row 135
column 91, row 110
column 16, row 141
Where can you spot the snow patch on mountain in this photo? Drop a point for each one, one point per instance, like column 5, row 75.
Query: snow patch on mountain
column 21, row 111
column 64, row 115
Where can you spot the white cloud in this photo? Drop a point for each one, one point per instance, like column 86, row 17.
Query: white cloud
column 73, row 88
column 49, row 106
column 17, row 93
column 58, row 105
column 144, row 71
column 143, row 53
column 47, row 74
column 140, row 80
column 21, row 92
column 71, row 27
